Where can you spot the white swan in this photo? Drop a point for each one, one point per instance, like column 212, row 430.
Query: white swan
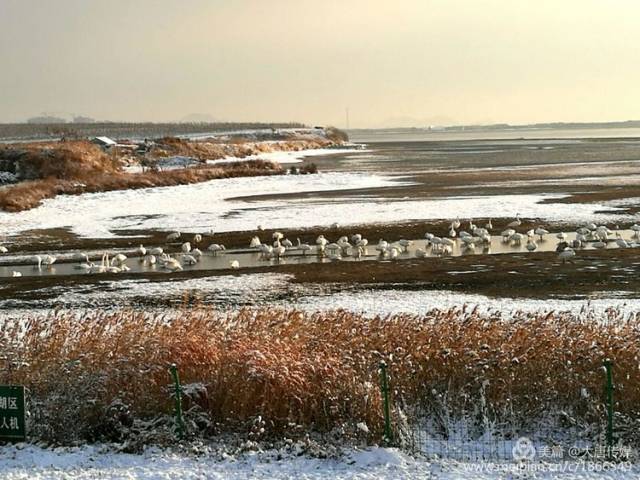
column 84, row 266
column 189, row 259
column 234, row 264
column 506, row 234
column 516, row 223
column 172, row 265
column 172, row 237
column 321, row 241
column 81, row 257
column 186, row 247
column 3, row 249
column 541, row 232
column 214, row 248
column 621, row 242
column 266, row 251
column 567, row 254
column 16, row 274
column 304, row 247
column 451, row 243
column 382, row 247
column 119, row 260
column 405, row 244
column 279, row 251
column 149, row 260
column 255, row 242
column 48, row 260
column 516, row 238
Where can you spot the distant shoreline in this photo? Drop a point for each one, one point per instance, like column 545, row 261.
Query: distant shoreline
column 519, row 134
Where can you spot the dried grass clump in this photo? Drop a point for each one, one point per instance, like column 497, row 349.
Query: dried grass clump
column 304, row 372
column 238, row 147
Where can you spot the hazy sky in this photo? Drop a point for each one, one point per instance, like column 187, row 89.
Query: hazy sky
column 392, row 62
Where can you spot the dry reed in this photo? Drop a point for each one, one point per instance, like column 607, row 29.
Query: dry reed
column 303, row 372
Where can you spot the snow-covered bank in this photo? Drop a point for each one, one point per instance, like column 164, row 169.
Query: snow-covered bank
column 90, row 462
column 283, row 157
column 226, row 205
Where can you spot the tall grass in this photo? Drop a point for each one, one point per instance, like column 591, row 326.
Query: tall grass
column 303, row 372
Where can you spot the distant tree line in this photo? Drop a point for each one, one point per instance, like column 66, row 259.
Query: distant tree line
column 38, row 130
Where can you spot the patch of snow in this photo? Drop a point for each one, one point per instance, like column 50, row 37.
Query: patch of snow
column 197, row 207
column 388, row 302
column 97, row 462
column 287, row 157
column 226, row 205
column 8, row 177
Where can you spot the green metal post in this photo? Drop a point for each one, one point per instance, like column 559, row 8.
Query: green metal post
column 384, row 383
column 178, row 394
column 608, row 365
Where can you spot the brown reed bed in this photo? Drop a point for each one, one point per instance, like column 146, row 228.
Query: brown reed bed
column 300, row 372
column 72, row 168
column 49, row 169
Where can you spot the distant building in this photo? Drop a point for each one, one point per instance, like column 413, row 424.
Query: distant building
column 104, row 142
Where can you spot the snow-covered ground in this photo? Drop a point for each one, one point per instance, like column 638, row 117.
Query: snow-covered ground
column 215, row 206
column 289, row 157
column 89, row 462
column 389, row 302
column 283, row 157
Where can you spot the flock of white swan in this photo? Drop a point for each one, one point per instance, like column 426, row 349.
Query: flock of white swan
column 355, row 246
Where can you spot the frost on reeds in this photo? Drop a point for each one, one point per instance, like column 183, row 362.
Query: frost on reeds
column 300, row 372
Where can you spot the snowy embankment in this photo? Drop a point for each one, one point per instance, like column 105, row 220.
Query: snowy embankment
column 89, row 462
column 283, row 157
column 287, row 157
